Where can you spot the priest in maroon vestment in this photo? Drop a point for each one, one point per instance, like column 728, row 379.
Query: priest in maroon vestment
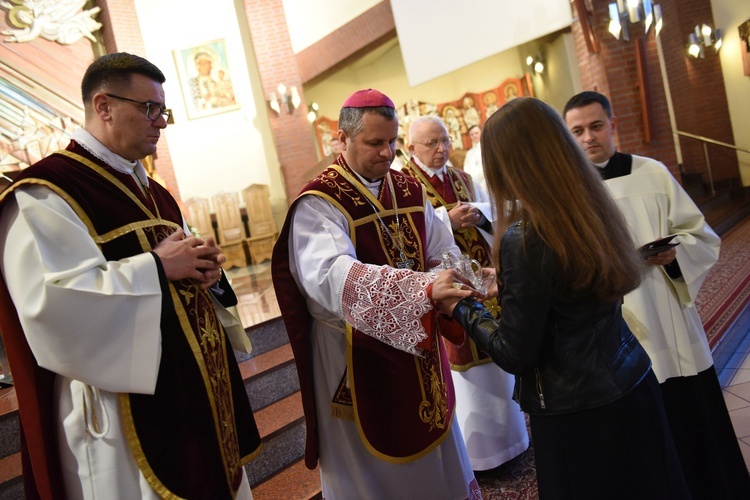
column 351, row 274
column 126, row 380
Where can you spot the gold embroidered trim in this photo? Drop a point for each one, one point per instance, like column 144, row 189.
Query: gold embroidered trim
column 433, row 409
column 460, row 188
column 467, row 366
column 111, row 178
column 136, row 227
column 370, row 448
column 335, row 203
column 138, row 454
column 248, row 458
column 342, row 411
column 212, row 335
column 98, row 239
column 342, row 405
column 62, row 194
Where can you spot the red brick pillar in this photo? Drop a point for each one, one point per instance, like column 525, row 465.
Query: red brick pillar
column 295, row 143
column 122, row 33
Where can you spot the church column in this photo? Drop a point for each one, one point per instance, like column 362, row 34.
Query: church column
column 292, row 133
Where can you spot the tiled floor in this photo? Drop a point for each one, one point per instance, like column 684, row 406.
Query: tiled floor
column 735, row 381
column 255, row 294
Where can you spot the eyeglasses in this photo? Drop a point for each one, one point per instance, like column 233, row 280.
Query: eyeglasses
column 153, row 110
column 433, row 143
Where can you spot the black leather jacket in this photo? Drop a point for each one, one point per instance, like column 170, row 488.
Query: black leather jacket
column 569, row 352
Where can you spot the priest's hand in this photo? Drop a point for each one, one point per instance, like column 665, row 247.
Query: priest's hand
column 449, row 288
column 463, row 216
column 189, row 257
column 212, row 275
column 663, row 258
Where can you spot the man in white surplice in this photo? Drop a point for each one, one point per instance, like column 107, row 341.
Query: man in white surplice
column 473, row 159
column 112, row 294
column 387, row 304
column 661, row 311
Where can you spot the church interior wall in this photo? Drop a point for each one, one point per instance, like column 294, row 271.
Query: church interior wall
column 230, row 150
column 310, row 21
column 696, row 90
column 729, row 15
column 698, row 94
column 560, row 78
column 211, row 153
column 384, row 70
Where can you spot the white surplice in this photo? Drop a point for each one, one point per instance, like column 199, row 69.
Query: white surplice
column 661, row 311
column 473, row 166
column 93, row 322
column 323, row 263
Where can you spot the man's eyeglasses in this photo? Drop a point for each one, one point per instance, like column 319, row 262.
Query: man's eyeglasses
column 433, row 143
column 153, row 110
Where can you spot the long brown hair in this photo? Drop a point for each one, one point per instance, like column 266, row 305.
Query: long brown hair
column 537, row 173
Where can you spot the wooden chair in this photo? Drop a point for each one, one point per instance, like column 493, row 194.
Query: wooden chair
column 230, row 230
column 260, row 221
column 199, row 216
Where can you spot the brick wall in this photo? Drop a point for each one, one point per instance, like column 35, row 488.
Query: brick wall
column 295, row 143
column 696, row 87
column 122, row 33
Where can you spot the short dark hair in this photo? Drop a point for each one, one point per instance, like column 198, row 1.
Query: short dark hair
column 584, row 99
column 473, row 127
column 115, row 70
column 350, row 119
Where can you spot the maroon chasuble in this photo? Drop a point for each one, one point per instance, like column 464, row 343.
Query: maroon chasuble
column 190, row 438
column 457, row 186
column 403, row 404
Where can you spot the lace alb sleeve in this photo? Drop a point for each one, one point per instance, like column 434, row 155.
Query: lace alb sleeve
column 387, row 304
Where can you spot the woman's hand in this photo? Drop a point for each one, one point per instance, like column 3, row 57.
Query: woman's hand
column 449, row 288
column 489, row 280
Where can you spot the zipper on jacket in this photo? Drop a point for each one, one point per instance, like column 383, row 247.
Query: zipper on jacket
column 517, row 389
column 539, row 388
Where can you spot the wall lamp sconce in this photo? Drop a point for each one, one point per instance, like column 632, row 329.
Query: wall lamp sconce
column 288, row 98
column 312, row 115
column 625, row 12
column 536, row 64
column 704, row 36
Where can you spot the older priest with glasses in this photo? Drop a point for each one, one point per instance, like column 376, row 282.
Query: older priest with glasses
column 351, row 273
column 127, row 384
column 492, row 424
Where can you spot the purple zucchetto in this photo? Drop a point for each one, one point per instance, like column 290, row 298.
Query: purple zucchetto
column 369, row 98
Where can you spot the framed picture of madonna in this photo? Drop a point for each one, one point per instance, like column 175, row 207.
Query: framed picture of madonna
column 205, row 79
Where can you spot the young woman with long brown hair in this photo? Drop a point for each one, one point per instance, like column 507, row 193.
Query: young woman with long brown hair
column 597, row 419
